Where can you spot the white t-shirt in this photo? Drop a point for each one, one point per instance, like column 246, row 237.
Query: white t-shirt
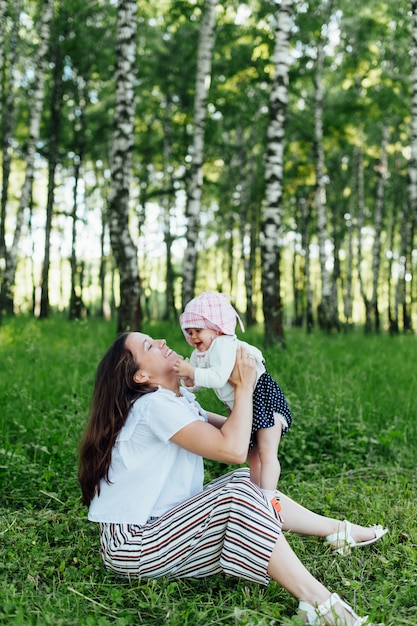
column 149, row 474
column 213, row 367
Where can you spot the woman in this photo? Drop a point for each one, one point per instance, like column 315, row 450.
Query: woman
column 141, row 474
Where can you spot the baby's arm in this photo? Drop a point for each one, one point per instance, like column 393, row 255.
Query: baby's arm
column 222, row 357
column 184, row 369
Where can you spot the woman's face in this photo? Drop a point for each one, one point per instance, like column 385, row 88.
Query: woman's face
column 154, row 357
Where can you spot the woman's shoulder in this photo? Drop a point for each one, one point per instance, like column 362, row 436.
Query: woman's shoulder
column 159, row 397
column 152, row 403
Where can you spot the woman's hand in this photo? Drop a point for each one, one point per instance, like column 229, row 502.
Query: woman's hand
column 244, row 371
column 227, row 442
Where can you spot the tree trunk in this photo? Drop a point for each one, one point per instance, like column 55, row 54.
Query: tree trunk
column 360, row 224
column 124, row 249
column 412, row 165
column 348, row 295
column 3, row 11
column 325, row 308
column 379, row 209
column 76, row 299
column 248, row 223
column 393, row 301
column 336, row 274
column 250, row 264
column 170, row 311
column 274, row 169
column 40, row 65
column 54, row 133
column 404, row 296
column 7, row 126
column 204, row 62
column 306, row 306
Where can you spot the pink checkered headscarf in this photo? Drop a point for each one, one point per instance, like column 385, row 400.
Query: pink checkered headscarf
column 210, row 310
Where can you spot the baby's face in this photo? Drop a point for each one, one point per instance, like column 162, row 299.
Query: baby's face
column 201, row 338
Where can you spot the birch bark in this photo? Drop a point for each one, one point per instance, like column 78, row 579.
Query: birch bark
column 348, row 295
column 8, row 122
column 412, row 166
column 379, row 210
column 3, row 9
column 124, row 249
column 40, row 65
column 360, row 224
column 325, row 313
column 204, row 62
column 274, row 169
column 53, row 160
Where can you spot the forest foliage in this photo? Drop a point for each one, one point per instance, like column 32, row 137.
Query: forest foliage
column 347, row 213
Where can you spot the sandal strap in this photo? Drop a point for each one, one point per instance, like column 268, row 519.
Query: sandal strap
column 342, row 535
column 314, row 614
column 328, row 604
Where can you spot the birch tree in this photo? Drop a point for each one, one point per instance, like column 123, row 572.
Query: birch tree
column 203, row 79
column 53, row 160
column 40, row 68
column 274, row 169
column 3, row 7
column 371, row 302
column 124, row 249
column 412, row 165
column 327, row 314
column 379, row 211
column 76, row 298
column 7, row 120
column 348, row 295
column 413, row 53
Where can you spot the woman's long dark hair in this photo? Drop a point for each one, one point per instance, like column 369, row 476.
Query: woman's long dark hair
column 114, row 393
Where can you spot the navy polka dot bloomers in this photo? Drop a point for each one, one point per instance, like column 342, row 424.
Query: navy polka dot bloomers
column 267, row 400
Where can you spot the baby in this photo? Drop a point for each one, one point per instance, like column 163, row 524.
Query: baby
column 209, row 323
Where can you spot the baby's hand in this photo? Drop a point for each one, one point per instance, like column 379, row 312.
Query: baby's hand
column 183, row 369
column 177, row 364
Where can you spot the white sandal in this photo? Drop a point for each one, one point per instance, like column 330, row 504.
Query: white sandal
column 344, row 542
column 316, row 615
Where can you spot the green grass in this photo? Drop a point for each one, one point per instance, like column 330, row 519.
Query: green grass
column 351, row 453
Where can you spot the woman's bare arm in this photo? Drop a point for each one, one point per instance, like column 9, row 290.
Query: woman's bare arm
column 224, row 439
column 216, row 419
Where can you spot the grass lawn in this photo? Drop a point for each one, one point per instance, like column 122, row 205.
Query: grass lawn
column 351, row 453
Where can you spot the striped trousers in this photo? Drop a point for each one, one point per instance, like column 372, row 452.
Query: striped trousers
column 229, row 527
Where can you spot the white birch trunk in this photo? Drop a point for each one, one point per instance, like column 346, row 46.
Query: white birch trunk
column 360, row 225
column 412, row 165
column 124, row 249
column 348, row 297
column 40, row 65
column 325, row 312
column 274, row 168
column 7, row 122
column 378, row 215
column 404, row 290
column 204, row 63
column 3, row 8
